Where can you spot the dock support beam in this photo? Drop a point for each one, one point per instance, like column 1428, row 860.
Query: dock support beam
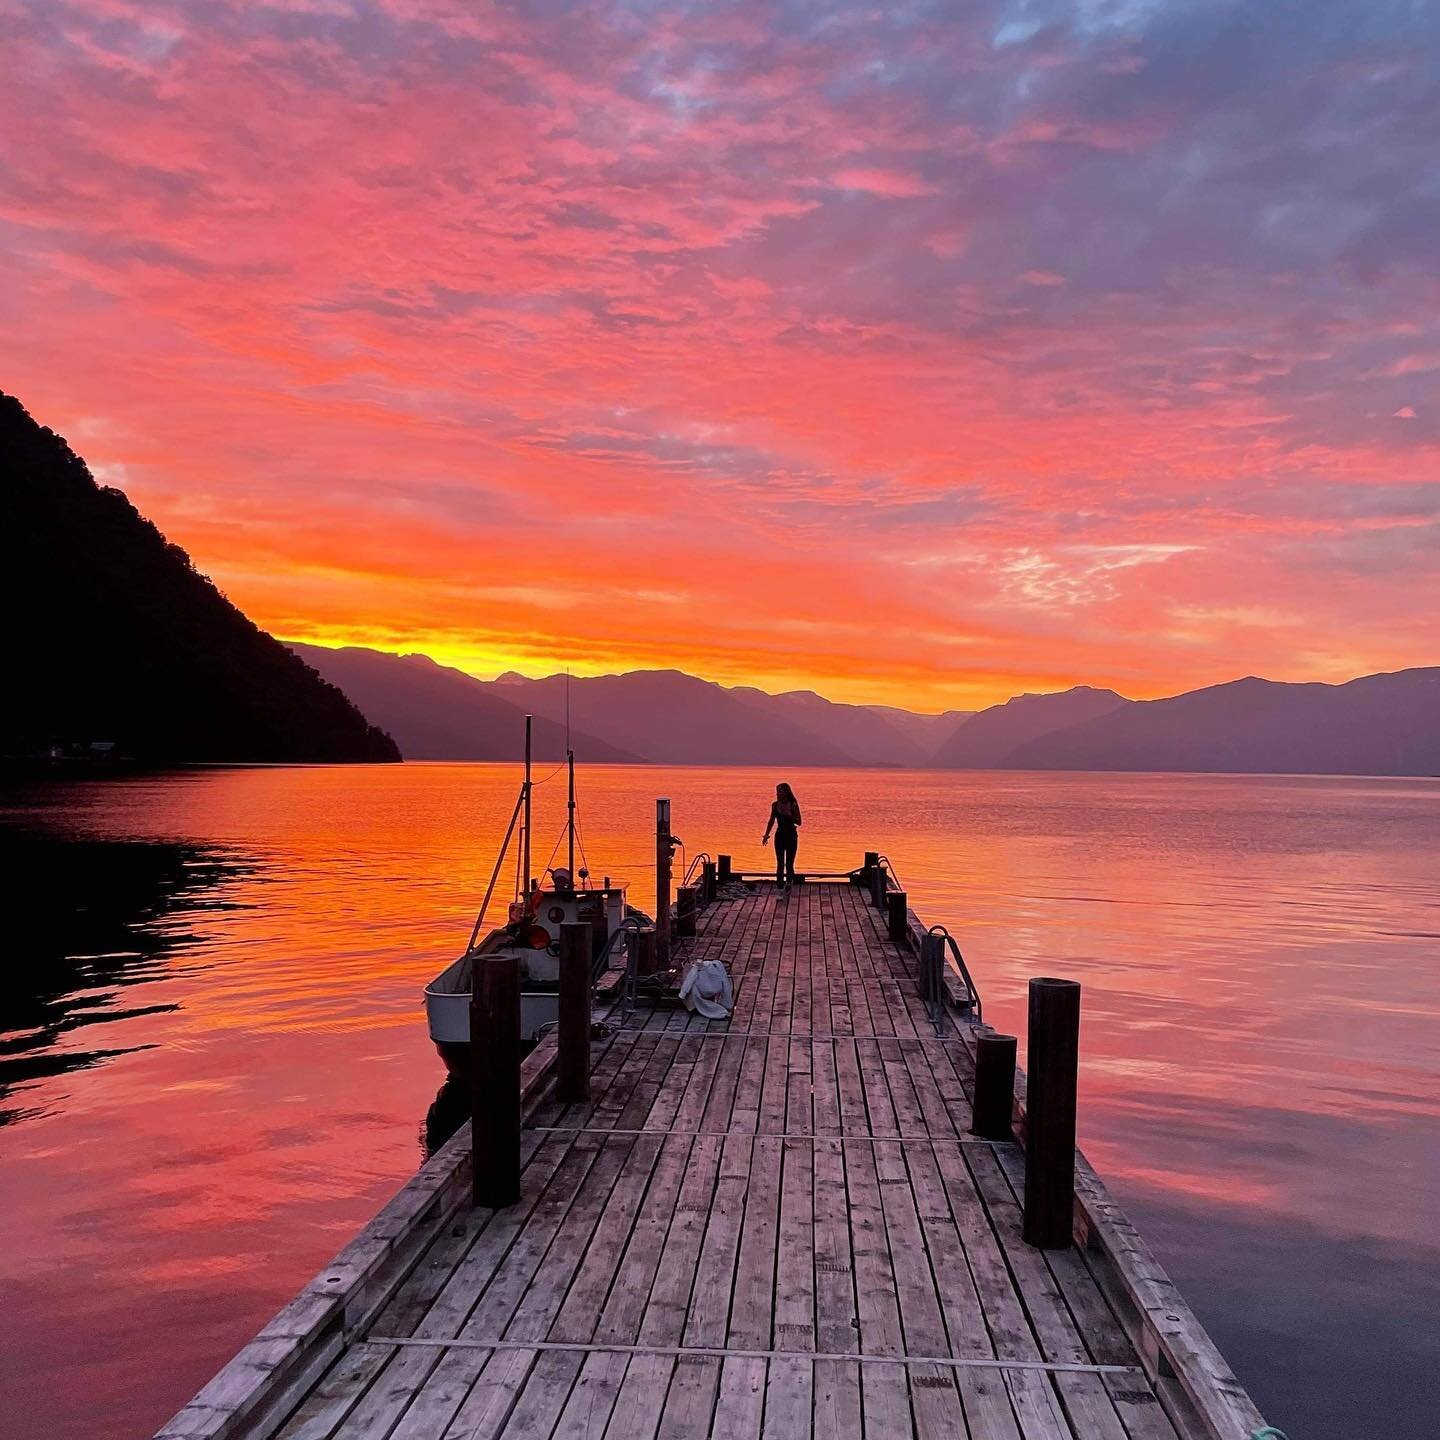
column 685, row 910
column 867, row 872
column 707, row 882
column 993, row 1113
column 1053, row 1056
column 495, row 1081
column 722, row 873
column 572, row 1079
column 899, row 916
column 663, row 852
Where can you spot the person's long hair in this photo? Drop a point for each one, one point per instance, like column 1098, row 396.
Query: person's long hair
column 786, row 796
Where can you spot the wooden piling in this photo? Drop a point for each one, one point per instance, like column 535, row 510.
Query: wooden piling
column 899, row 916
column 663, row 853
column 707, row 882
column 722, row 869
column 993, row 1111
column 1053, row 1057
column 495, row 1081
column 572, row 1061
column 867, row 871
column 931, row 970
column 685, row 898
column 642, row 945
column 878, row 888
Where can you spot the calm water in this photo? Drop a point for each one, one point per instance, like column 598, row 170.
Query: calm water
column 213, row 1066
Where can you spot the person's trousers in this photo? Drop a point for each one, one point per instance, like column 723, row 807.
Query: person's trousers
column 785, row 848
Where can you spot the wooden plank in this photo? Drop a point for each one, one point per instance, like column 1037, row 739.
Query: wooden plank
column 541, row 1403
column 590, row 1403
column 934, row 1397
column 885, row 1397
column 640, row 1399
column 473, row 1390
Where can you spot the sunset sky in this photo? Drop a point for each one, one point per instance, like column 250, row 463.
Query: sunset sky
column 910, row 353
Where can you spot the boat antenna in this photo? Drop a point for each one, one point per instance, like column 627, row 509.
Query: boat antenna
column 529, row 722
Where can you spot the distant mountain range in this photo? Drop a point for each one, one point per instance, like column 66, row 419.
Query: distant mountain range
column 989, row 739
column 657, row 716
column 116, row 640
column 436, row 713
column 1379, row 725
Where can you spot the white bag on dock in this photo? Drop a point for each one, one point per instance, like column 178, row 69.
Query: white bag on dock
column 706, row 990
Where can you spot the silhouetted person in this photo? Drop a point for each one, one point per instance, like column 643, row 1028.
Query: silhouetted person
column 785, row 822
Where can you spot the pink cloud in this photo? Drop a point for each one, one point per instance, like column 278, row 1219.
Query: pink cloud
column 894, row 184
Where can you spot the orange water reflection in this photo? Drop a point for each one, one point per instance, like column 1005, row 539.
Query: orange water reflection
column 1260, row 1053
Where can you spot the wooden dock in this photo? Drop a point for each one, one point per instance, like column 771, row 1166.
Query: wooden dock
column 776, row 1226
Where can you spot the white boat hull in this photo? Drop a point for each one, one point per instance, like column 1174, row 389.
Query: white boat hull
column 447, row 997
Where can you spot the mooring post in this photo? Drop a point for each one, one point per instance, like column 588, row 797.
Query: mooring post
column 899, row 916
column 642, row 944
column 867, row 872
column 932, row 961
column 707, row 882
column 993, row 1113
column 685, row 910
column 495, row 1081
column 1053, row 1057
column 877, row 886
column 572, row 1079
column 663, row 851
column 722, row 870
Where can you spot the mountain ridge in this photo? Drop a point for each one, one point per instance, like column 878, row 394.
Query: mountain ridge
column 1083, row 727
column 125, row 643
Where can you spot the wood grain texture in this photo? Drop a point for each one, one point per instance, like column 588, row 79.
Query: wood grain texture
column 730, row 1209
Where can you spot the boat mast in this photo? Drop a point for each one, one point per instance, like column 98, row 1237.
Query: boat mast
column 525, row 841
column 570, row 809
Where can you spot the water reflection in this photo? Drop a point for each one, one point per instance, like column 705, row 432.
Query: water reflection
column 91, row 919
column 1261, row 1058
column 448, row 1111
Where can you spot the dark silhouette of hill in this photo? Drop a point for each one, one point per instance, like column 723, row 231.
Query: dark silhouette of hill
column 672, row 718
column 989, row 740
column 1377, row 725
column 437, row 713
column 115, row 636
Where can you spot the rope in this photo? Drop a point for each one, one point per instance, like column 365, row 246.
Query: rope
column 580, row 842
column 550, row 863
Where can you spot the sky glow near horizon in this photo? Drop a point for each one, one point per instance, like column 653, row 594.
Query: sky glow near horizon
column 915, row 354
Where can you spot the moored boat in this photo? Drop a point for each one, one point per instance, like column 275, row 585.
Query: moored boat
column 531, row 932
